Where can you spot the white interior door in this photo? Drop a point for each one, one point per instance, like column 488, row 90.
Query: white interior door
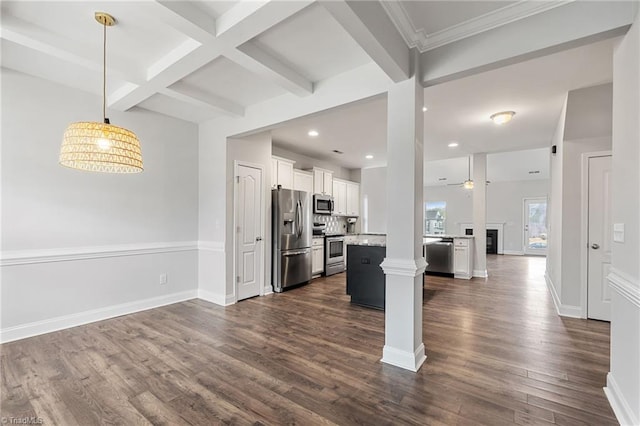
column 599, row 238
column 249, row 247
column 535, row 226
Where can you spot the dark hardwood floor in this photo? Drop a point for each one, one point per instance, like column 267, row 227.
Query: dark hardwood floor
column 497, row 354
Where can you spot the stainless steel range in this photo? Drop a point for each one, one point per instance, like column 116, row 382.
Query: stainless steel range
column 334, row 254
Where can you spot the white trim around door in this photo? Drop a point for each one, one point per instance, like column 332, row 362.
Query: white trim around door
column 262, row 210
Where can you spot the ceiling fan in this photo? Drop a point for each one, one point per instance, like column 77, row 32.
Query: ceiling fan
column 467, row 184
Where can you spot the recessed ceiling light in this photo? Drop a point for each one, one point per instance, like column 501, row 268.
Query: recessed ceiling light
column 424, row 109
column 313, row 133
column 502, row 117
column 368, row 156
column 453, row 144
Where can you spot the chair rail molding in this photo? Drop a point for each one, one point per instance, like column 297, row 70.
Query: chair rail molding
column 67, row 254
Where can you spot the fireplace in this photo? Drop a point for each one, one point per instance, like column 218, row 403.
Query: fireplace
column 492, row 239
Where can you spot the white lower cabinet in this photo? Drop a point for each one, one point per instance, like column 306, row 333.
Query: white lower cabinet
column 462, row 258
column 317, row 256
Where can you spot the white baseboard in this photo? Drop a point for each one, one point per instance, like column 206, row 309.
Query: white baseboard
column 619, row 404
column 218, row 299
column 478, row 273
column 403, row 359
column 513, row 252
column 268, row 289
column 36, row 328
column 562, row 310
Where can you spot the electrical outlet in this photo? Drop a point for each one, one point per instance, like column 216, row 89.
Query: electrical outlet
column 163, row 279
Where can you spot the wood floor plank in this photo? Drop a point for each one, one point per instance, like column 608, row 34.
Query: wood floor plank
column 498, row 354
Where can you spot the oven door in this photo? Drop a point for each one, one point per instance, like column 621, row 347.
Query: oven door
column 334, row 251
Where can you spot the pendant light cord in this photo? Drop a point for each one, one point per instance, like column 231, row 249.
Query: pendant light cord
column 104, row 71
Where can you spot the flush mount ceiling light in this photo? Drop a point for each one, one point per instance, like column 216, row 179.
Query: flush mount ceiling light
column 453, row 144
column 502, row 117
column 313, row 133
column 368, row 157
column 101, row 147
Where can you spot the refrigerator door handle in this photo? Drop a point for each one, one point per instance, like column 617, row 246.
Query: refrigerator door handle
column 296, row 253
column 299, row 218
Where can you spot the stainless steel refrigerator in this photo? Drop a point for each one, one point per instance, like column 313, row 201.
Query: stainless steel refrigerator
column 292, row 233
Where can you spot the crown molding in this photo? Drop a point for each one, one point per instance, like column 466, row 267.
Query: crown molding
column 418, row 37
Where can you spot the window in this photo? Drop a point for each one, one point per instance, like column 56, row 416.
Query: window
column 434, row 217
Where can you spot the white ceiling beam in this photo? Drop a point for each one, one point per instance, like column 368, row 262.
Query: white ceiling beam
column 196, row 97
column 371, row 28
column 240, row 24
column 571, row 25
column 35, row 38
column 260, row 62
column 169, row 69
column 184, row 17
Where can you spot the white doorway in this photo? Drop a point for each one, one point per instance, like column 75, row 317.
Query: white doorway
column 598, row 236
column 248, row 216
column 535, row 226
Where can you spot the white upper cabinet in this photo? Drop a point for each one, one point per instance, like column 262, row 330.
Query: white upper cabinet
column 322, row 181
column 339, row 197
column 353, row 199
column 282, row 172
column 347, row 198
column 302, row 181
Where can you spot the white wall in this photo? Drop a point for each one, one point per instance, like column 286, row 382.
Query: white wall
column 254, row 149
column 504, row 205
column 623, row 382
column 553, row 273
column 587, row 112
column 130, row 228
column 361, row 83
column 571, row 213
column 373, row 195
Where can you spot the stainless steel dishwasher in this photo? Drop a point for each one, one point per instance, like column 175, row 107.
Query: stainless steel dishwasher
column 439, row 257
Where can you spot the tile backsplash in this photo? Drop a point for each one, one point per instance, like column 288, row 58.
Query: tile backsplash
column 335, row 224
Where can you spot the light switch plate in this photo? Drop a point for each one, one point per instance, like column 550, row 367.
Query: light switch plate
column 618, row 232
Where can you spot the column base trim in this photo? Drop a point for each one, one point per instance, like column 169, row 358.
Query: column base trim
column 478, row 273
column 620, row 407
column 404, row 267
column 403, row 359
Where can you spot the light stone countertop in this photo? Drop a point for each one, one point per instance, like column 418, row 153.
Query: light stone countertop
column 381, row 240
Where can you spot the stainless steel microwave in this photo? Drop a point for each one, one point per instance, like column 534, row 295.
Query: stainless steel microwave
column 322, row 204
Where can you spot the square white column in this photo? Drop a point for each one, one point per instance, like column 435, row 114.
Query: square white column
column 480, row 215
column 404, row 264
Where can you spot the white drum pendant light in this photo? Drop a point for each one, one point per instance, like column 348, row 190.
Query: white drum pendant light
column 101, row 147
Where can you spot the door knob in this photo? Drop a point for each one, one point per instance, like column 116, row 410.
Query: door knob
column 595, row 246
column 258, row 238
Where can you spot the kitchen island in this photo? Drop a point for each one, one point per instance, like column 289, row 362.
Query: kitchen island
column 365, row 277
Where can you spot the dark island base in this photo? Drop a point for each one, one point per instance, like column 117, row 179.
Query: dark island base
column 365, row 278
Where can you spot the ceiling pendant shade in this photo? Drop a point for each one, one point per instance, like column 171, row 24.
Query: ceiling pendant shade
column 101, row 147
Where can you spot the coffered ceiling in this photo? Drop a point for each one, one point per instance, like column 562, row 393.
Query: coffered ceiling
column 203, row 60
